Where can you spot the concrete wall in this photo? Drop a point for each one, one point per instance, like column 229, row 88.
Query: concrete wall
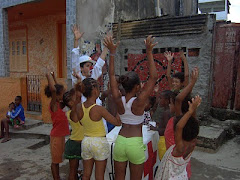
column 42, row 43
column 203, row 61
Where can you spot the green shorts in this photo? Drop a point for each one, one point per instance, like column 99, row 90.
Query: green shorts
column 12, row 123
column 72, row 149
column 129, row 149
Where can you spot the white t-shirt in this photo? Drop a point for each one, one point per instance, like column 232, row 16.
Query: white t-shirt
column 96, row 71
column 172, row 168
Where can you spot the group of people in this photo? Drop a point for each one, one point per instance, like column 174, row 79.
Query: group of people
column 130, row 104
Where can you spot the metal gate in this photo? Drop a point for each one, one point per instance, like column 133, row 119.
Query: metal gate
column 226, row 75
column 33, row 93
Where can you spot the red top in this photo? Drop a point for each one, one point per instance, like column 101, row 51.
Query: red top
column 60, row 122
column 169, row 140
column 169, row 133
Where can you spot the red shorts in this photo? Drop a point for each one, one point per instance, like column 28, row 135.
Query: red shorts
column 57, row 146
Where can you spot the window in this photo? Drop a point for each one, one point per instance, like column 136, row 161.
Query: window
column 18, row 50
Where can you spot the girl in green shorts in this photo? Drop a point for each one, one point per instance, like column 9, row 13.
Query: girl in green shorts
column 129, row 145
column 73, row 144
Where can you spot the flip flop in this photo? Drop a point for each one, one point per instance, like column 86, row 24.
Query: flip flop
column 16, row 126
column 5, row 140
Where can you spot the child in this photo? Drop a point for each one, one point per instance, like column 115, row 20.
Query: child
column 60, row 128
column 175, row 160
column 111, row 105
column 164, row 102
column 129, row 145
column 179, row 107
column 148, row 111
column 95, row 147
column 16, row 117
column 11, row 107
column 178, row 80
column 73, row 144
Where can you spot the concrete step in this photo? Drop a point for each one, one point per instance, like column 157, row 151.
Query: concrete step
column 29, row 123
column 33, row 115
column 211, row 137
column 224, row 114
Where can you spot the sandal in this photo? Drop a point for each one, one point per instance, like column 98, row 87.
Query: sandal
column 5, row 140
column 16, row 126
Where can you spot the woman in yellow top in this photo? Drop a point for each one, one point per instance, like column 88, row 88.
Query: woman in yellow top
column 73, row 144
column 95, row 148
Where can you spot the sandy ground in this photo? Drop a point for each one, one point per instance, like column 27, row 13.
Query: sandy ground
column 19, row 162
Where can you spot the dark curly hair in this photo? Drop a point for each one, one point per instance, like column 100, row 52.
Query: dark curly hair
column 190, row 130
column 86, row 86
column 59, row 89
column 67, row 97
column 129, row 81
column 180, row 76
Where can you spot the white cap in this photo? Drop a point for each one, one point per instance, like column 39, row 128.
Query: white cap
column 86, row 58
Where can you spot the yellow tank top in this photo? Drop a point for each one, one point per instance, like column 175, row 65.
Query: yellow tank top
column 77, row 133
column 92, row 128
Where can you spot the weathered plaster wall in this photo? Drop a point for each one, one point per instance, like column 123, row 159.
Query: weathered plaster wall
column 203, row 61
column 42, row 43
column 134, row 9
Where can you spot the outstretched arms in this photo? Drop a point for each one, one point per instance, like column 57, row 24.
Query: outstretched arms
column 169, row 57
column 108, row 42
column 77, row 34
column 186, row 69
column 179, row 150
column 188, row 89
column 148, row 88
column 51, row 84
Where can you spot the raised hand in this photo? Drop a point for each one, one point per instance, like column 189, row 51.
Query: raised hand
column 108, row 42
column 182, row 54
column 149, row 42
column 76, row 75
column 194, row 104
column 156, row 88
column 169, row 55
column 194, row 75
column 76, row 32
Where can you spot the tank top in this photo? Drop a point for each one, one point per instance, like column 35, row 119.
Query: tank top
column 128, row 117
column 77, row 133
column 92, row 128
column 60, row 122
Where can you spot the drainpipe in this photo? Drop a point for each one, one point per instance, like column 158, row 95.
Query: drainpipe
column 157, row 8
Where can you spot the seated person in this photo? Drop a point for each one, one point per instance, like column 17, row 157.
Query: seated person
column 15, row 117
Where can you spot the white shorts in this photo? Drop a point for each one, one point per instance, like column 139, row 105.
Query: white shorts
column 96, row 148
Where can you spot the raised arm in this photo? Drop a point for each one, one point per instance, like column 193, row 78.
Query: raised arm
column 169, row 57
column 149, row 86
column 51, row 84
column 186, row 69
column 77, row 34
column 187, row 90
column 108, row 42
column 54, row 77
column 179, row 150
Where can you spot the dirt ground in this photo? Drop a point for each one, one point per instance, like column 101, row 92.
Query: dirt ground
column 19, row 161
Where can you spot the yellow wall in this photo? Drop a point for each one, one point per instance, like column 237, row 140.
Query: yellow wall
column 41, row 42
column 9, row 89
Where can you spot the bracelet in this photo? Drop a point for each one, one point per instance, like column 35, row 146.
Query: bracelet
column 112, row 55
